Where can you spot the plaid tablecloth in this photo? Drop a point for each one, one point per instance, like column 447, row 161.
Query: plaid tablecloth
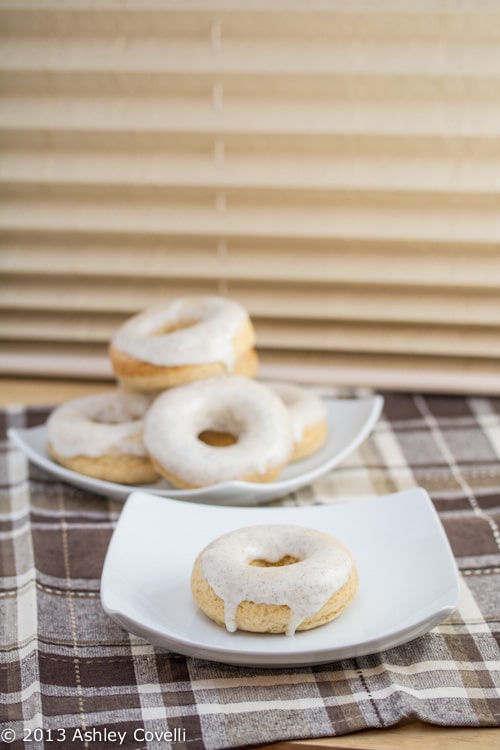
column 68, row 673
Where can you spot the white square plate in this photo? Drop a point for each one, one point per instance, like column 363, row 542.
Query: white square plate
column 350, row 421
column 408, row 577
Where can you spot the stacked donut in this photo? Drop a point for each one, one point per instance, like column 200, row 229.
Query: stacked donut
column 187, row 406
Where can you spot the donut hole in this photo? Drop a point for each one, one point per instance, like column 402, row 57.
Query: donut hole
column 116, row 412
column 221, row 429
column 176, row 325
column 285, row 560
column 108, row 419
column 217, row 439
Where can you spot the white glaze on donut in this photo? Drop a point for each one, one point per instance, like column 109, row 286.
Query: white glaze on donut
column 98, row 425
column 325, row 566
column 225, row 403
column 212, row 323
column 305, row 408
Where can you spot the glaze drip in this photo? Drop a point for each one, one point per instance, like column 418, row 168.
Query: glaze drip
column 324, row 566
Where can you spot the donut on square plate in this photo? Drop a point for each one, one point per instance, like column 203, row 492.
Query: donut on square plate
column 276, row 578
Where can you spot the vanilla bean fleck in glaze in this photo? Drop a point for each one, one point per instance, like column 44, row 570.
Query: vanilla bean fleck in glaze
column 324, row 567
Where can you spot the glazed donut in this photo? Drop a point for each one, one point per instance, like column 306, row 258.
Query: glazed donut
column 184, row 340
column 274, row 579
column 307, row 415
column 101, row 436
column 229, row 404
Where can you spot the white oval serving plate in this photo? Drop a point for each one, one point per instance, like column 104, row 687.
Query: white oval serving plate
column 350, row 421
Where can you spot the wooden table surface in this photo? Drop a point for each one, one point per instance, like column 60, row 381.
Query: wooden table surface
column 409, row 736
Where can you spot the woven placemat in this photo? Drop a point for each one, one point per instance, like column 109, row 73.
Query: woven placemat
column 66, row 667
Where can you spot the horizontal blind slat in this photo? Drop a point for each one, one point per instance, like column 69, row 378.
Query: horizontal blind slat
column 195, row 115
column 277, row 335
column 153, row 53
column 295, row 301
column 386, row 372
column 387, row 20
column 272, row 263
column 232, row 214
column 353, row 145
column 224, row 170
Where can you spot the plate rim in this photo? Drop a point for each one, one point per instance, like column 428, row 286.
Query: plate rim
column 203, row 494
column 388, row 638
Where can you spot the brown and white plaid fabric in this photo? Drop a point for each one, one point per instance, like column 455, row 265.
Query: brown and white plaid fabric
column 69, row 674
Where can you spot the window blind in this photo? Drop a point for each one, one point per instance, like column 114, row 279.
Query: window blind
column 334, row 167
